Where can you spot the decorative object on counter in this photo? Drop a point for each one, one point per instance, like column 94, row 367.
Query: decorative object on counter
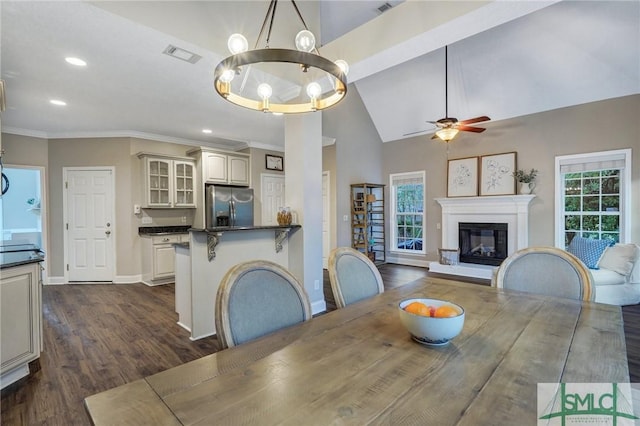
column 527, row 180
column 449, row 256
column 462, row 177
column 495, row 171
column 284, row 216
column 326, row 81
column 274, row 162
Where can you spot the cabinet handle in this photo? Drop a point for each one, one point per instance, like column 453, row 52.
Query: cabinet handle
column 165, row 239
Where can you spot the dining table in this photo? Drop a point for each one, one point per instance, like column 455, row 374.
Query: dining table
column 359, row 365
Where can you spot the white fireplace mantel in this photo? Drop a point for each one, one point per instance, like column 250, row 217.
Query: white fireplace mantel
column 510, row 209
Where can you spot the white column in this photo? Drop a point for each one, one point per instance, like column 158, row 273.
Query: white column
column 303, row 192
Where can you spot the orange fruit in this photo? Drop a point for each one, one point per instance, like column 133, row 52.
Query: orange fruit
column 417, row 308
column 446, row 311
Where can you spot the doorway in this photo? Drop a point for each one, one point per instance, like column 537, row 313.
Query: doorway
column 89, row 221
column 272, row 197
column 23, row 213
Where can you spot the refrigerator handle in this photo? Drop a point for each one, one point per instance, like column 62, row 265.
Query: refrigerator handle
column 232, row 213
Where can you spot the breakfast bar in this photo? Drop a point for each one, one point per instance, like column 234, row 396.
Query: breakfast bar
column 359, row 365
column 210, row 254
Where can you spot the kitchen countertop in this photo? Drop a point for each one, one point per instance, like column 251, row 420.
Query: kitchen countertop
column 242, row 228
column 19, row 254
column 163, row 230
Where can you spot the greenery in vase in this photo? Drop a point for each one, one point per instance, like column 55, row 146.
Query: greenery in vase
column 524, row 177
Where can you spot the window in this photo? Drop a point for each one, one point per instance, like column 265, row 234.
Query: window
column 407, row 212
column 592, row 196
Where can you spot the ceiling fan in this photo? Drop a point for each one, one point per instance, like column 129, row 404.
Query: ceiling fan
column 448, row 127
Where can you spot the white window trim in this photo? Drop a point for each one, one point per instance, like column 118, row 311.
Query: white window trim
column 392, row 211
column 625, row 191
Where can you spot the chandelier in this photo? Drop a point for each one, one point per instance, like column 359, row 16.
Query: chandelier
column 261, row 79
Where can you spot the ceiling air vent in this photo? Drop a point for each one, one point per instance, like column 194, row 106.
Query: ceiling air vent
column 385, row 6
column 182, row 54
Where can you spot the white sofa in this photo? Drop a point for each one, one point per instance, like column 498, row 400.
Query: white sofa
column 617, row 279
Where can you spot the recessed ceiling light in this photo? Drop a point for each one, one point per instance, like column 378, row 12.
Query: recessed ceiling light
column 207, row 131
column 76, row 61
column 58, row 102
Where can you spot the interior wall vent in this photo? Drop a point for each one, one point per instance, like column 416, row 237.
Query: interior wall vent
column 385, row 6
column 182, row 54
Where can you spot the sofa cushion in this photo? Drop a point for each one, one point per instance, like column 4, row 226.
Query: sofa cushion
column 620, row 258
column 606, row 277
column 588, row 250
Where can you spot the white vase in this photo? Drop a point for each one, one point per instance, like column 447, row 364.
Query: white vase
column 527, row 187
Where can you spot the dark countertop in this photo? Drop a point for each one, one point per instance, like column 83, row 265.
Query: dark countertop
column 19, row 254
column 243, row 228
column 162, row 230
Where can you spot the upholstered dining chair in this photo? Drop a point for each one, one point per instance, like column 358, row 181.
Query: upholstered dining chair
column 353, row 276
column 256, row 298
column 546, row 270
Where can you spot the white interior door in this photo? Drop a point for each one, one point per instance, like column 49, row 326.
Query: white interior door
column 89, row 224
column 272, row 197
column 326, row 224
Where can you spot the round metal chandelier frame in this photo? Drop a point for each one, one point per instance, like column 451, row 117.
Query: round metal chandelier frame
column 304, row 59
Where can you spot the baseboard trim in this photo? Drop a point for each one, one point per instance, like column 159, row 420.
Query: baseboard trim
column 55, row 281
column 127, row 279
column 318, row 307
column 408, row 262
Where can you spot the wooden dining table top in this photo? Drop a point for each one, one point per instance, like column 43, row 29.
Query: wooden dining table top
column 358, row 365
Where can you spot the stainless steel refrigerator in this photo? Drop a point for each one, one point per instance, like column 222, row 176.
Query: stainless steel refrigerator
column 228, row 206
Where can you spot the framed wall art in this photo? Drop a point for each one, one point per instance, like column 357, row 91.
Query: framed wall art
column 496, row 174
column 462, row 177
column 274, row 162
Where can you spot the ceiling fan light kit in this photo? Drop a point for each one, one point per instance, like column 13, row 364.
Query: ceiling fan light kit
column 447, row 134
column 325, row 81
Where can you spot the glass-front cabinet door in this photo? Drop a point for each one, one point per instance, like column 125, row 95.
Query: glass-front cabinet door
column 159, row 178
column 184, row 184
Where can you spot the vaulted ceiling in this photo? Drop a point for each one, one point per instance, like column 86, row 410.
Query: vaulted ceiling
column 506, row 59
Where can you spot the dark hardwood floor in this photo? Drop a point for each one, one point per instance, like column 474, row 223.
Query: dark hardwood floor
column 97, row 337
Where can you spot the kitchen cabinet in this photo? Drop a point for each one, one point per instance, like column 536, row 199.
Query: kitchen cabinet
column 169, row 182
column 230, row 168
column 158, row 258
column 20, row 320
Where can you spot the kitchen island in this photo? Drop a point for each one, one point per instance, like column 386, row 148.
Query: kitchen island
column 20, row 310
column 210, row 254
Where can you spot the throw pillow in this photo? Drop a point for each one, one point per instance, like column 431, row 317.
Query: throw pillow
column 588, row 250
column 620, row 258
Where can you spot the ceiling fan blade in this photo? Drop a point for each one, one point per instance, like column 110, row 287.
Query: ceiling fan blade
column 475, row 120
column 471, row 129
column 415, row 133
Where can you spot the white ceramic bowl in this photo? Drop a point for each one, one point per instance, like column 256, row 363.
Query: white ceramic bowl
column 431, row 331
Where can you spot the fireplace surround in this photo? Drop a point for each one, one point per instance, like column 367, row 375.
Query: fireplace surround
column 512, row 210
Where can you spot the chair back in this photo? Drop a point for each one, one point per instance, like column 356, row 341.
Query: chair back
column 353, row 276
column 546, row 270
column 256, row 298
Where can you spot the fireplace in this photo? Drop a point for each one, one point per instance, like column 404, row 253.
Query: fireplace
column 482, row 243
column 512, row 210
